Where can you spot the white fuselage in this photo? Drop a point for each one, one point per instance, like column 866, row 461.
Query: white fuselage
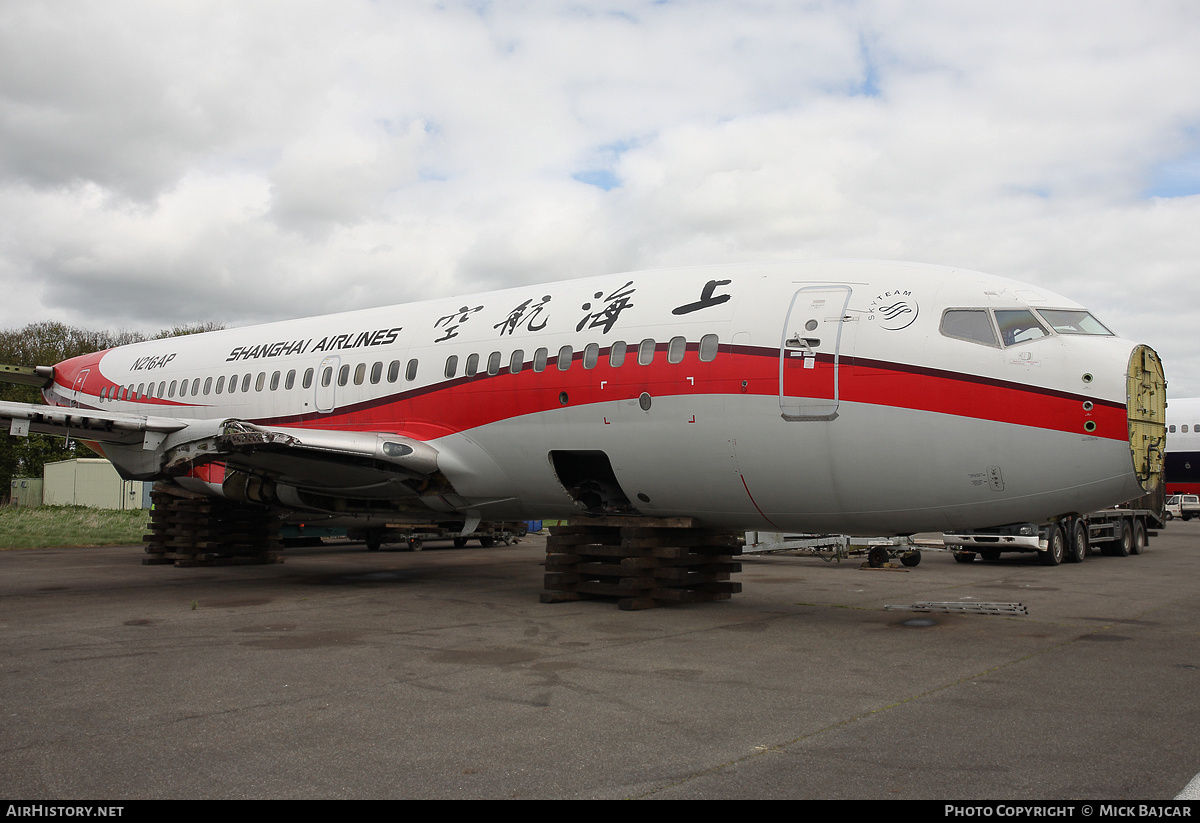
column 1183, row 446
column 816, row 396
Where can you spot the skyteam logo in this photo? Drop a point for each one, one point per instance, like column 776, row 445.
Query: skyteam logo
column 893, row 310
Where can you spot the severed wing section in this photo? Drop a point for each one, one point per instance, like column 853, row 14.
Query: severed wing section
column 88, row 424
column 307, row 469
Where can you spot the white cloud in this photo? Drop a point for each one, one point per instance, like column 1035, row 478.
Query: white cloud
column 192, row 161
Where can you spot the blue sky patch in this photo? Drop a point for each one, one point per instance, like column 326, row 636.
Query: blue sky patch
column 869, row 87
column 1176, row 178
column 600, row 178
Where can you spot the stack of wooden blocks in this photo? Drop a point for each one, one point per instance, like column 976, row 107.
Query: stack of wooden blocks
column 643, row 562
column 190, row 529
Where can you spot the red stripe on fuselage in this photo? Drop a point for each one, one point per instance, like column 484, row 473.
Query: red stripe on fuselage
column 465, row 403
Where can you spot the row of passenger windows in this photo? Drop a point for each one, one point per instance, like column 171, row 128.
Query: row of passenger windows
column 1183, row 429
column 184, row 388
column 1017, row 325
column 617, row 354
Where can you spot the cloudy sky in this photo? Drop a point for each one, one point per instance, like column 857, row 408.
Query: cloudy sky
column 165, row 162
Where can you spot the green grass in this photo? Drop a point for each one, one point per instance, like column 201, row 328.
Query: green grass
column 52, row 526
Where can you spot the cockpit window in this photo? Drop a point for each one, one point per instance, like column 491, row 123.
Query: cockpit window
column 1019, row 326
column 970, row 324
column 1073, row 321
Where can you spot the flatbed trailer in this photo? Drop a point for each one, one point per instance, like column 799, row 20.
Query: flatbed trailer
column 1118, row 532
column 414, row 535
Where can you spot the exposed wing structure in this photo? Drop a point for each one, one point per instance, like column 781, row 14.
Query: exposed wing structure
column 298, row 468
column 36, row 376
column 88, row 424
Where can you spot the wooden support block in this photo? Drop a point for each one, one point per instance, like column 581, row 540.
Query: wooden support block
column 642, row 562
column 561, row 597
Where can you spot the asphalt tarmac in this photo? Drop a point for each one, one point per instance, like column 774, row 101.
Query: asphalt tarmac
column 348, row 674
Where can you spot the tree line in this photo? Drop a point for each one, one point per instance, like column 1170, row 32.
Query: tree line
column 44, row 344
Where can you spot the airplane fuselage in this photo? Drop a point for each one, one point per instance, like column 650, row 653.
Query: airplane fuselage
column 1183, row 446
column 824, row 396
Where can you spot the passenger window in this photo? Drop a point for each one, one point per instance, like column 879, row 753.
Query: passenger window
column 675, row 350
column 360, row 374
column 451, row 366
column 326, row 377
column 493, row 367
column 162, row 389
column 289, row 382
column 376, row 372
column 260, row 381
column 275, row 381
column 308, row 379
column 245, row 383
column 393, row 371
column 591, row 355
column 969, row 324
column 410, row 373
column 646, row 352
column 564, row 358
column 1183, row 429
column 516, row 362
column 141, row 390
column 1171, row 429
column 170, row 389
column 616, row 354
column 472, row 365
column 540, row 358
column 207, row 386
column 1018, row 326
column 344, row 374
column 220, row 383
column 708, row 348
column 195, row 387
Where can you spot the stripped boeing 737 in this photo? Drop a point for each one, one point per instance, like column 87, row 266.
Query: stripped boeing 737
column 824, row 396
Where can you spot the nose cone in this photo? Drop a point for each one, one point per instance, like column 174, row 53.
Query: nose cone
column 1146, row 402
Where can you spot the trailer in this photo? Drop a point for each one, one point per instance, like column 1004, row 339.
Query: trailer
column 413, row 536
column 1118, row 532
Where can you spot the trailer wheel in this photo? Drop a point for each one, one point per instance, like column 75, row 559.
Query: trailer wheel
column 1079, row 541
column 1139, row 538
column 911, row 559
column 415, row 544
column 460, row 542
column 1120, row 548
column 373, row 540
column 487, row 542
column 1056, row 547
column 877, row 557
column 964, row 557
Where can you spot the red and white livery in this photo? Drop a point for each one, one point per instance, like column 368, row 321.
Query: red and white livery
column 822, row 396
